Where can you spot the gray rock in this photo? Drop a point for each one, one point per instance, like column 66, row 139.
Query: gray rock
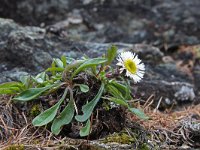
column 12, row 75
column 131, row 21
column 185, row 93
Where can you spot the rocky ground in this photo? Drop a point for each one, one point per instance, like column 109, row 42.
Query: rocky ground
column 165, row 34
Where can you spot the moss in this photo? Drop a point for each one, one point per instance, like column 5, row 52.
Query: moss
column 35, row 110
column 106, row 106
column 144, row 146
column 16, row 147
column 121, row 138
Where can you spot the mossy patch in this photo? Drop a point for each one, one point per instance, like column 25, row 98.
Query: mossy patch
column 121, row 138
column 35, row 110
column 16, row 147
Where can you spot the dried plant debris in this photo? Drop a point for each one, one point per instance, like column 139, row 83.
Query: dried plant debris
column 173, row 128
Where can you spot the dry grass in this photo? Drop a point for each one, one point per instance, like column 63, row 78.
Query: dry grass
column 173, row 127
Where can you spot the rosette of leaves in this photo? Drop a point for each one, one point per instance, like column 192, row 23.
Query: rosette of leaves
column 61, row 75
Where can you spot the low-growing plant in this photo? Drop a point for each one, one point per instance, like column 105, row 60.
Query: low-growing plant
column 61, row 77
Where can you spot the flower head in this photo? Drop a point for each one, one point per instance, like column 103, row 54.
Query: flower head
column 133, row 66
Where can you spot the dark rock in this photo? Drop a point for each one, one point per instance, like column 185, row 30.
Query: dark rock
column 20, row 48
column 132, row 21
column 196, row 76
column 167, row 82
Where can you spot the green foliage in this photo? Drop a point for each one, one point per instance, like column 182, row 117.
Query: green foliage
column 64, row 118
column 63, row 79
column 32, row 93
column 84, row 88
column 111, row 54
column 117, row 101
column 49, row 114
column 88, row 108
column 139, row 113
column 89, row 63
column 11, row 87
column 86, row 129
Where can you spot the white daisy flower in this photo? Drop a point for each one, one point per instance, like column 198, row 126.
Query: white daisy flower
column 132, row 64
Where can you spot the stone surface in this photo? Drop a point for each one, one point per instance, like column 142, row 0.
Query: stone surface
column 161, row 23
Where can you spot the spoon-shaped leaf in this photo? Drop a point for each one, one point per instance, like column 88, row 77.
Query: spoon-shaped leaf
column 59, row 63
column 33, row 93
column 49, row 114
column 139, row 113
column 89, row 63
column 86, row 129
column 84, row 88
column 117, row 101
column 88, row 108
column 114, row 91
column 122, row 88
column 64, row 118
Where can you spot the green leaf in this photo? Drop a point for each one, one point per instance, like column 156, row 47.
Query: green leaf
column 40, row 78
column 71, row 66
column 86, row 129
column 26, row 80
column 59, row 63
column 89, row 63
column 33, row 93
column 64, row 118
column 139, row 113
column 117, row 101
column 10, row 84
column 11, row 90
column 111, row 54
column 55, row 69
column 49, row 114
column 123, row 89
column 88, row 108
column 53, row 65
column 84, row 88
column 64, row 60
column 41, row 75
column 10, row 87
column 115, row 92
column 70, row 60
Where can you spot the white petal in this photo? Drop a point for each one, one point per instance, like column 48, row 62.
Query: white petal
column 122, row 57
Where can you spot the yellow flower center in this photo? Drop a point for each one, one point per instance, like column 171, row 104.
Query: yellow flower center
column 130, row 66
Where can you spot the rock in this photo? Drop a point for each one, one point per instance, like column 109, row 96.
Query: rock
column 12, row 75
column 20, row 48
column 185, row 93
column 196, row 71
column 151, row 22
column 167, row 82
